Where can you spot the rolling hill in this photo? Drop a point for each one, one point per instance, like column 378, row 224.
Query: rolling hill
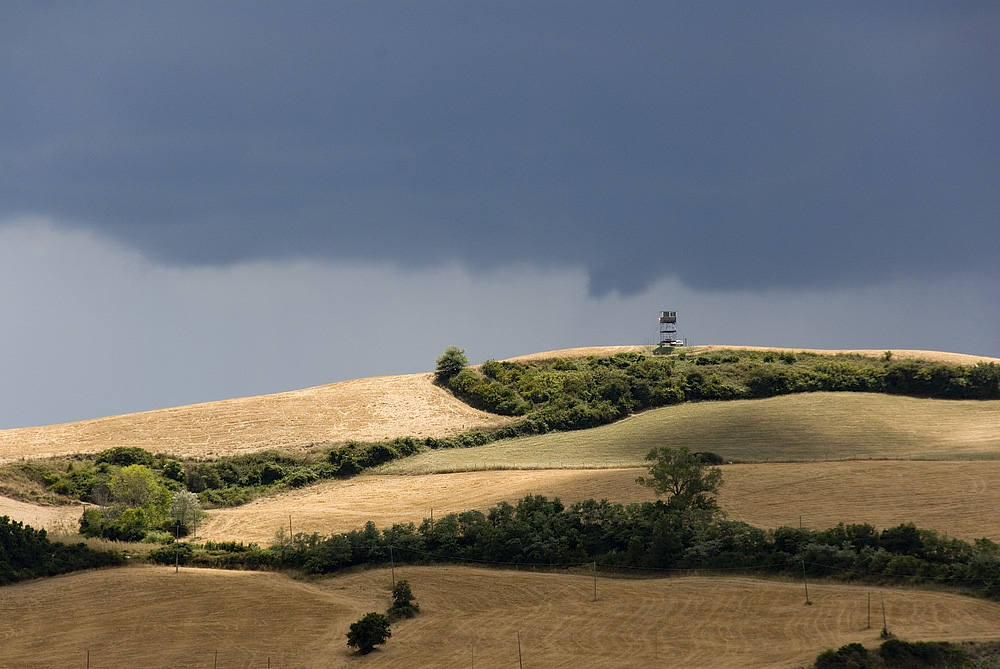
column 815, row 459
column 363, row 409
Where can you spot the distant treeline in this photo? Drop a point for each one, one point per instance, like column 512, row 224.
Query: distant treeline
column 27, row 553
column 653, row 537
column 569, row 394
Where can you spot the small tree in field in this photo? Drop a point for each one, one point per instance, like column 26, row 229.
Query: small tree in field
column 185, row 510
column 372, row 630
column 403, row 605
column 684, row 476
column 450, row 363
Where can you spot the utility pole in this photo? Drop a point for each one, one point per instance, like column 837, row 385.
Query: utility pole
column 805, row 582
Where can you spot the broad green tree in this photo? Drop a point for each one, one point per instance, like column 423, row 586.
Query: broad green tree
column 684, row 476
column 136, row 487
column 372, row 630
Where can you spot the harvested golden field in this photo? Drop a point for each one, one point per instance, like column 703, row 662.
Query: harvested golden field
column 52, row 518
column 364, row 409
column 153, row 617
column 807, row 426
column 956, row 498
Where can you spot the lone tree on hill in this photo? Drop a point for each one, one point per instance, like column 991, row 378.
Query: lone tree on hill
column 372, row 630
column 450, row 363
column 685, row 476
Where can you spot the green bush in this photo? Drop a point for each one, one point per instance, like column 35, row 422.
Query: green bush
column 173, row 470
column 372, row 630
column 123, row 456
column 897, row 654
column 851, row 656
column 403, row 605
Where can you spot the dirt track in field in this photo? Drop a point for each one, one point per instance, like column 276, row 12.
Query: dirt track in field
column 955, row 497
column 365, row 409
column 153, row 617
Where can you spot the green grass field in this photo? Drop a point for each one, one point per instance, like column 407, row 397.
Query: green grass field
column 790, row 428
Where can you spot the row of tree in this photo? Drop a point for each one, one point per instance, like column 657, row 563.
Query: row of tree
column 685, row 531
column 580, row 393
column 27, row 553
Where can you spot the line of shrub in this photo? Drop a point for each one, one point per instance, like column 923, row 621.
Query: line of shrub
column 647, row 536
column 574, row 394
column 226, row 481
column 899, row 654
column 27, row 553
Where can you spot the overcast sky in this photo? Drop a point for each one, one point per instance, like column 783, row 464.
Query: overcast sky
column 208, row 200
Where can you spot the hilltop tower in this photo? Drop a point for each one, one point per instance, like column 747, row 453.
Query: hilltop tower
column 668, row 329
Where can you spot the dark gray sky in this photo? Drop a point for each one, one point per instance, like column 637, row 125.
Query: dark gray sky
column 794, row 156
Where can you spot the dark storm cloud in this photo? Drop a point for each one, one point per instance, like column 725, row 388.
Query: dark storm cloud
column 744, row 145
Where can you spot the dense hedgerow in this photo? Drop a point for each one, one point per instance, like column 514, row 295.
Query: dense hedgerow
column 27, row 553
column 226, row 481
column 651, row 536
column 580, row 393
column 899, row 654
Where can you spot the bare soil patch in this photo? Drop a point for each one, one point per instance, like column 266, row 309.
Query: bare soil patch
column 162, row 619
column 364, row 409
column 955, row 497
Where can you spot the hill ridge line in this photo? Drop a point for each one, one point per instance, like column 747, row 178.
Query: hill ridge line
column 366, row 409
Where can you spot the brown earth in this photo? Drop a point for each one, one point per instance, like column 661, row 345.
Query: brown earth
column 958, row 498
column 364, row 409
column 153, row 617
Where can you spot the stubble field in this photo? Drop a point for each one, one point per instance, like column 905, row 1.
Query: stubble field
column 957, row 498
column 153, row 617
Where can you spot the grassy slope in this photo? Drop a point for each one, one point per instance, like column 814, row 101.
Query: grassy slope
column 692, row 622
column 811, row 426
